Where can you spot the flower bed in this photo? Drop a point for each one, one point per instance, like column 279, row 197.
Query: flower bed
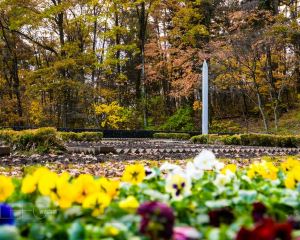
column 203, row 200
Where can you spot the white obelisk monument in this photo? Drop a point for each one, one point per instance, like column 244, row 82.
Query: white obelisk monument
column 205, row 98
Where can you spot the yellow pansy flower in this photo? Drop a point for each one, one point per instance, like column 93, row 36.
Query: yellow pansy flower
column 86, row 186
column 265, row 169
column 289, row 164
column 134, row 174
column 47, row 183
column 296, row 173
column 108, row 186
column 230, row 167
column 6, row 188
column 41, row 172
column 66, row 193
column 28, row 184
column 111, row 230
column 289, row 181
column 130, row 204
column 98, row 202
column 251, row 173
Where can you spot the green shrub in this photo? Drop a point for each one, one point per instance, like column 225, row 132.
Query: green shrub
column 215, row 139
column 231, row 140
column 183, row 136
column 296, row 141
column 83, row 136
column 7, row 135
column 68, row 136
column 182, row 120
column 266, row 140
column 37, row 140
column 269, row 140
column 90, row 136
column 208, row 139
column 201, row 139
column 259, row 140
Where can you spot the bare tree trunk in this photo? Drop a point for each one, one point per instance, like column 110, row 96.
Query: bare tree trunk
column 262, row 112
column 94, row 44
column 143, row 21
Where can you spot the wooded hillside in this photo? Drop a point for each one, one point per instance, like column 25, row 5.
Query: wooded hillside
column 137, row 63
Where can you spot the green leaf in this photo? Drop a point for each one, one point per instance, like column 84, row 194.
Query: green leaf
column 76, row 231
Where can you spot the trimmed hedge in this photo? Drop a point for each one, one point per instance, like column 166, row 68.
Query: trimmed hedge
column 266, row 140
column 83, row 136
column 208, row 139
column 38, row 140
column 231, row 140
column 182, row 136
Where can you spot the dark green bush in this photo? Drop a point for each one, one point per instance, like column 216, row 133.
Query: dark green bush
column 183, row 136
column 266, row 140
column 208, row 139
column 68, row 136
column 231, row 140
column 83, row 136
column 182, row 120
column 201, row 139
column 90, row 136
column 259, row 140
column 38, row 140
column 296, row 141
column 7, row 135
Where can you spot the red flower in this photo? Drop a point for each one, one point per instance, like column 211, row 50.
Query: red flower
column 284, row 230
column 244, row 234
column 267, row 229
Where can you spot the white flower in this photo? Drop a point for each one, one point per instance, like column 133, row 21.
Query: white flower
column 218, row 166
column 221, row 180
column 205, row 160
column 193, row 172
column 170, row 168
column 178, row 185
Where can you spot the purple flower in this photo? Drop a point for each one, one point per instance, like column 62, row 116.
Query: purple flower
column 220, row 216
column 157, row 220
column 185, row 233
column 6, row 215
column 259, row 211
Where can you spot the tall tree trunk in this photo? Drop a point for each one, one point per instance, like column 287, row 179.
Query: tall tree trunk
column 140, row 85
column 273, row 91
column 60, row 26
column 262, row 112
column 95, row 26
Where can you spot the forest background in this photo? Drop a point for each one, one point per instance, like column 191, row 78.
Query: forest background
column 136, row 64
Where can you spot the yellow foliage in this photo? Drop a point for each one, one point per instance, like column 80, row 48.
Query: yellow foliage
column 36, row 112
column 197, row 105
column 111, row 115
